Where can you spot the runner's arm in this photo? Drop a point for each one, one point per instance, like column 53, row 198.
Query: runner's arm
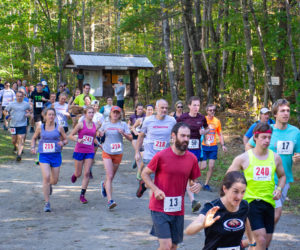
column 248, row 146
column 139, row 142
column 34, row 138
column 63, row 135
column 222, row 142
column 195, row 186
column 237, row 164
column 281, row 178
column 75, row 131
column 135, row 125
column 159, row 194
column 245, row 140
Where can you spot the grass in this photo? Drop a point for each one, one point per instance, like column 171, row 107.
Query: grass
column 6, row 147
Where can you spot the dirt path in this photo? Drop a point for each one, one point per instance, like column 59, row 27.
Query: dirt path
column 72, row 225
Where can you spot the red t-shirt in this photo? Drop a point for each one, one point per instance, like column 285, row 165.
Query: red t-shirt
column 171, row 176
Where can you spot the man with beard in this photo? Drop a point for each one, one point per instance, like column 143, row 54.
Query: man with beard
column 173, row 168
column 158, row 130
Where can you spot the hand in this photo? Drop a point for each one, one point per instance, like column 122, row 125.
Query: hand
column 33, row 150
column 121, row 131
column 224, row 148
column 195, row 187
column 276, row 194
column 159, row 194
column 209, row 218
column 201, row 131
column 61, row 143
column 296, row 158
column 79, row 140
column 138, row 157
column 44, row 99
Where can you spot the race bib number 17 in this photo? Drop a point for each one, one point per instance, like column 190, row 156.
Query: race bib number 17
column 285, row 147
column 172, row 204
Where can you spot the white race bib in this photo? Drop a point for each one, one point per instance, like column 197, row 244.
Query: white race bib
column 39, row 104
column 193, row 144
column 229, row 248
column 285, row 147
column 159, row 145
column 262, row 173
column 12, row 131
column 210, row 138
column 87, row 140
column 115, row 147
column 48, row 147
column 62, row 123
column 172, row 204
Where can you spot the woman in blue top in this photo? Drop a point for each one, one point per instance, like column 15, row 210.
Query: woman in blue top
column 52, row 139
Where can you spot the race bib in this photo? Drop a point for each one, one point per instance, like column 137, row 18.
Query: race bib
column 39, row 104
column 262, row 173
column 87, row 140
column 229, row 248
column 48, row 147
column 159, row 145
column 193, row 144
column 172, row 204
column 285, row 147
column 115, row 147
column 209, row 139
column 62, row 123
column 12, row 131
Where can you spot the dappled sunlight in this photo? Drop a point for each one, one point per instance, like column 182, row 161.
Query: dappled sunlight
column 285, row 236
column 17, row 220
column 5, row 191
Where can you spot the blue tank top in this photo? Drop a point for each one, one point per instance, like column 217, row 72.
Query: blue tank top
column 49, row 141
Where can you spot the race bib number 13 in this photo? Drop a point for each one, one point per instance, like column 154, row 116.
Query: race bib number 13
column 262, row 173
column 285, row 147
column 159, row 145
column 172, row 204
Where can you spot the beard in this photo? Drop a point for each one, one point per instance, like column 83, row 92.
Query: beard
column 182, row 146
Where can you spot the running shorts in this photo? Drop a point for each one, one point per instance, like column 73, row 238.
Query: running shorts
column 167, row 226
column 116, row 159
column 120, row 103
column 18, row 130
column 197, row 153
column 279, row 203
column 53, row 159
column 81, row 156
column 210, row 152
column 38, row 118
column 261, row 215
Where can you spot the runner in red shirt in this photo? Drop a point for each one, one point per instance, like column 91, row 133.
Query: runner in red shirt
column 167, row 201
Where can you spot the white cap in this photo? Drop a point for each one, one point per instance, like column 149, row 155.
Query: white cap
column 264, row 110
column 44, row 83
column 95, row 102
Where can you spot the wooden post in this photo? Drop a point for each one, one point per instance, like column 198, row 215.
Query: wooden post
column 134, row 86
column 80, row 82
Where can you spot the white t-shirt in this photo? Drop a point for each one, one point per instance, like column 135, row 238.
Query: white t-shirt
column 61, row 110
column 7, row 95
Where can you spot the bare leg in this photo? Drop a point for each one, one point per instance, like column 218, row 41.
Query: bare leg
column 20, row 140
column 110, row 171
column 211, row 165
column 86, row 176
column 46, row 169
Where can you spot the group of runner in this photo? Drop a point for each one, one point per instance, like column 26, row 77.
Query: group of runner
column 170, row 151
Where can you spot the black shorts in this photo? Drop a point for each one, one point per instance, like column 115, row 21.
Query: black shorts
column 3, row 108
column 120, row 103
column 38, row 117
column 66, row 129
column 261, row 215
column 167, row 226
column 134, row 136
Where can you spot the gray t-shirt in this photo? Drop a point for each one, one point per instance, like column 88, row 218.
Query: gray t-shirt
column 61, row 111
column 113, row 143
column 158, row 134
column 120, row 90
column 17, row 112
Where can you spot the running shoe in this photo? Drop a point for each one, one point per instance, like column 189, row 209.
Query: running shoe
column 73, row 178
column 47, row 207
column 141, row 189
column 37, row 163
column 103, row 190
column 195, row 205
column 82, row 199
column 111, row 204
column 207, row 188
column 50, row 191
column 31, row 130
column 19, row 158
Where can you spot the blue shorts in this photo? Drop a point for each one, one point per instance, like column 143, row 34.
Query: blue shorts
column 18, row 130
column 197, row 153
column 210, row 153
column 81, row 156
column 53, row 159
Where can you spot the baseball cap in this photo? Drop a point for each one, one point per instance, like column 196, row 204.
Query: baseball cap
column 115, row 108
column 264, row 110
column 95, row 102
column 39, row 84
column 44, row 83
column 120, row 80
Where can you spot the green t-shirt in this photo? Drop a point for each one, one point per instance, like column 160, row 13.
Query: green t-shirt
column 79, row 100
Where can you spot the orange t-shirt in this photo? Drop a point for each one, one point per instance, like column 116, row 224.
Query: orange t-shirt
column 214, row 128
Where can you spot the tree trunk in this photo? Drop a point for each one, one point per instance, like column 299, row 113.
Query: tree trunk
column 118, row 21
column 187, row 66
column 33, row 49
column 92, row 27
column 70, row 26
column 83, row 26
column 60, row 43
column 249, row 54
column 293, row 58
column 169, row 58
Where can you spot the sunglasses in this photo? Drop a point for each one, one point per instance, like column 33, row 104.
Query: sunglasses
column 179, row 107
column 211, row 110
